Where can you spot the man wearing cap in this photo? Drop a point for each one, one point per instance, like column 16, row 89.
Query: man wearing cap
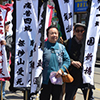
column 74, row 48
column 7, row 42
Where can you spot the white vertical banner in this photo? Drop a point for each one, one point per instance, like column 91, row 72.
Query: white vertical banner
column 91, row 44
column 26, row 30
column 35, row 3
column 3, row 57
column 66, row 9
column 36, row 80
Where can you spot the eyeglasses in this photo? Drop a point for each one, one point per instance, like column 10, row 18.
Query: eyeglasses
column 82, row 31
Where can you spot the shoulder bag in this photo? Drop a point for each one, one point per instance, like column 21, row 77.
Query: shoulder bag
column 66, row 77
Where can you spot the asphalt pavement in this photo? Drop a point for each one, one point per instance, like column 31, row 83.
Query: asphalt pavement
column 19, row 95
column 96, row 92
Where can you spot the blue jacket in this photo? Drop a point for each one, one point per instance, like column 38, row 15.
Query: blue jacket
column 55, row 57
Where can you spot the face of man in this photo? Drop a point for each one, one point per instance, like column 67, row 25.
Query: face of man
column 79, row 32
column 6, row 28
column 53, row 35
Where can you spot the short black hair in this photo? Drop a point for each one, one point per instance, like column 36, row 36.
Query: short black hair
column 52, row 26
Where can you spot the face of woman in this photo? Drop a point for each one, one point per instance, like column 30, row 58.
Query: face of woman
column 53, row 35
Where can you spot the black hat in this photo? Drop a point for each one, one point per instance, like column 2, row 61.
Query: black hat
column 80, row 24
column 7, row 23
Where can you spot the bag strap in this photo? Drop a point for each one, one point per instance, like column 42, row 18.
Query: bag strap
column 66, row 69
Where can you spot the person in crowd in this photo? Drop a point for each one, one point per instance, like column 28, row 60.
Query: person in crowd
column 55, row 57
column 7, row 42
column 74, row 48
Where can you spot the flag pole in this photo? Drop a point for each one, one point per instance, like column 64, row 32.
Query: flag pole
column 87, row 96
column 1, row 91
column 25, row 95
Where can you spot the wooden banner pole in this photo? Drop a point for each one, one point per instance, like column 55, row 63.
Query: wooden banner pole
column 25, row 95
column 87, row 96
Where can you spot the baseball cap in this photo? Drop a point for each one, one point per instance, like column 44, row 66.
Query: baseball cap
column 79, row 24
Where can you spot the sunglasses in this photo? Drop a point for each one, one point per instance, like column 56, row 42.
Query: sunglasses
column 82, row 31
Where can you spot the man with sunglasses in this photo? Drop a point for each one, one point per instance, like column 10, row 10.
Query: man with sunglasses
column 74, row 48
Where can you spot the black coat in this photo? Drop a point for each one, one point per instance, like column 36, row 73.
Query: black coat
column 74, row 51
column 8, row 45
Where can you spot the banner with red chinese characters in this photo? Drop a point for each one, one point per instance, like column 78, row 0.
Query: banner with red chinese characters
column 3, row 57
column 26, row 30
column 91, row 43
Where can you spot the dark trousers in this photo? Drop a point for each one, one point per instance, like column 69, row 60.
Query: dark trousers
column 51, row 89
column 71, row 91
column 3, row 88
